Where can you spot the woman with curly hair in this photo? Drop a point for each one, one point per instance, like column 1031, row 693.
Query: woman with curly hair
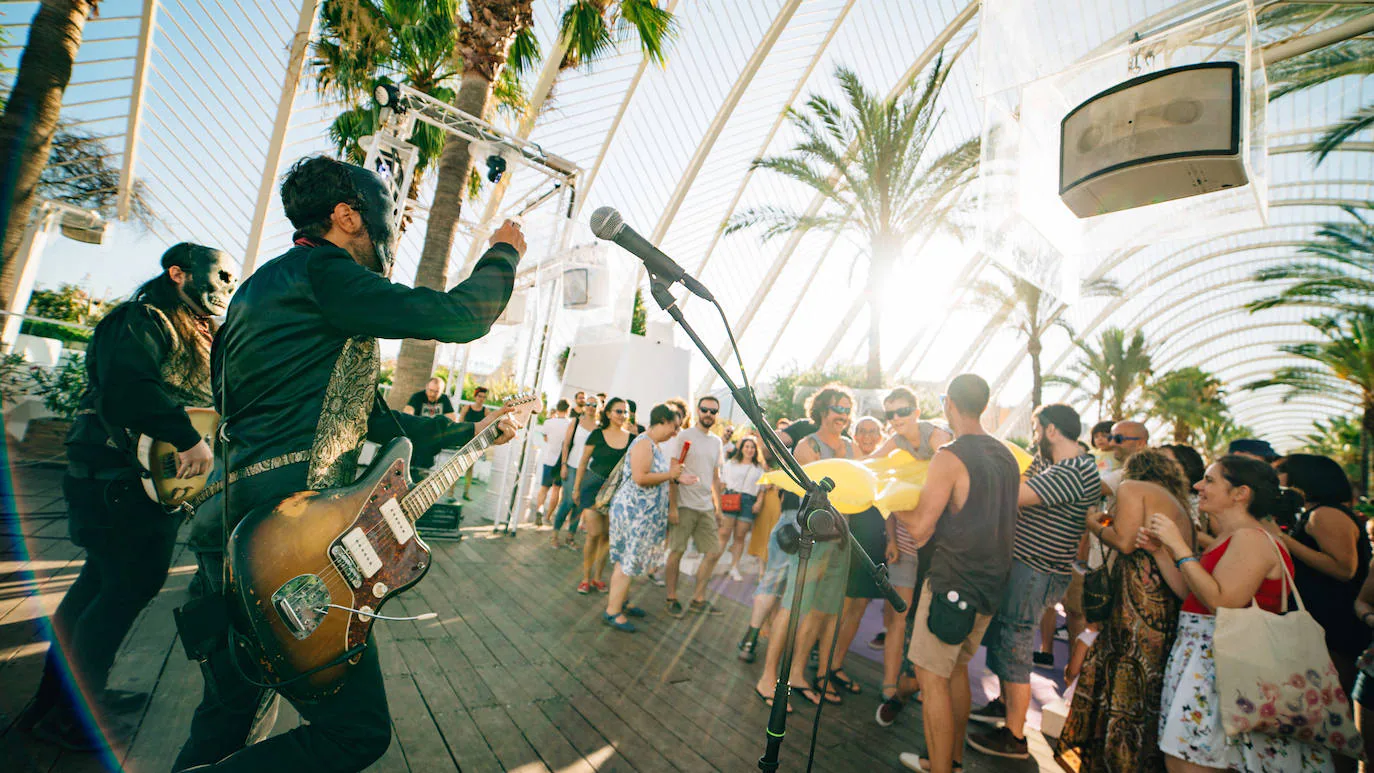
column 1113, row 724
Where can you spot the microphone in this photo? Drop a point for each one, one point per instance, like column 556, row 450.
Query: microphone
column 609, row 225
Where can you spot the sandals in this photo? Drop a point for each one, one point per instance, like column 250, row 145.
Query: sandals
column 768, row 699
column 813, row 695
column 842, row 681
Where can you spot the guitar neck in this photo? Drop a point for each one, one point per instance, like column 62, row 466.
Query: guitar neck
column 426, row 493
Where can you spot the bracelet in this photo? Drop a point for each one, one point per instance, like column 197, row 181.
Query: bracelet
column 1179, row 563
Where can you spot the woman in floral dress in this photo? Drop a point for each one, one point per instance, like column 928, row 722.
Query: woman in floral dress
column 639, row 511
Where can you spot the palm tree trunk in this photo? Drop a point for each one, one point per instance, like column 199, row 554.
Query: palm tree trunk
column 415, row 362
column 1182, row 433
column 30, row 120
column 1033, row 348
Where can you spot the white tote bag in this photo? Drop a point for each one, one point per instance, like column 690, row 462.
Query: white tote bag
column 1274, row 675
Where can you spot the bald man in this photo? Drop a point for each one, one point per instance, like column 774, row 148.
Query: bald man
column 1127, row 438
column 430, row 401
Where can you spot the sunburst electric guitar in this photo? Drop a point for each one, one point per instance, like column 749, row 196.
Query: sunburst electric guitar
column 159, row 461
column 309, row 576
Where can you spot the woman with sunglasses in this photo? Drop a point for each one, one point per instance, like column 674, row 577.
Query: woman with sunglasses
column 828, row 568
column 605, row 448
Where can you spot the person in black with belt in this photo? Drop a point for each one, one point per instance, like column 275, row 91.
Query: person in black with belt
column 296, row 369
column 147, row 360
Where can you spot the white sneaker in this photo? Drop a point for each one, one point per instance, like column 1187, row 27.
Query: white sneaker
column 735, row 575
column 657, row 579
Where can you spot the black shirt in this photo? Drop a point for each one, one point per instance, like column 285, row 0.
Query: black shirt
column 124, row 362
column 603, row 458
column 1331, row 601
column 973, row 544
column 420, row 404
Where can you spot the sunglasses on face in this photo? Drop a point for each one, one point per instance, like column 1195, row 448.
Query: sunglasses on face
column 905, row 410
column 1118, row 439
column 708, row 411
column 619, row 411
column 840, row 409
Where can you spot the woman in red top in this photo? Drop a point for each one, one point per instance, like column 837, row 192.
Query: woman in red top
column 1242, row 564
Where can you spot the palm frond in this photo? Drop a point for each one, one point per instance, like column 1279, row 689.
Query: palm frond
column 654, row 27
column 584, row 29
column 1349, row 126
column 1350, row 57
column 524, row 56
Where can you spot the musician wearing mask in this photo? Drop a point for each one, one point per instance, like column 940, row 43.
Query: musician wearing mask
column 296, row 369
column 148, row 360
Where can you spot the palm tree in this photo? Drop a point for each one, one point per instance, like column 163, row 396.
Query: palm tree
column 490, row 35
column 1026, row 308
column 1216, row 433
column 1187, row 399
column 1348, row 57
column 1341, row 275
column 1342, row 361
column 30, row 120
column 867, row 160
column 1338, row 438
column 1115, row 370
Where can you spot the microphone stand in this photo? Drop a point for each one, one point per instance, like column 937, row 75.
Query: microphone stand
column 817, row 521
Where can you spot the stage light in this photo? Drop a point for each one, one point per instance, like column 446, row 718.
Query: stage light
column 496, row 166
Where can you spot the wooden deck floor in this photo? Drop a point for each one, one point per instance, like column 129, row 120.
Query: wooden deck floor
column 516, row 674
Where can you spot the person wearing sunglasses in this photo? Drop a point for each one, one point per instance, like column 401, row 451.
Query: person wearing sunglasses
column 694, row 512
column 827, row 570
column 1127, row 438
column 905, row 561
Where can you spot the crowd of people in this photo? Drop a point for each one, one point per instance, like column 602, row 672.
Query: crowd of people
column 1136, row 546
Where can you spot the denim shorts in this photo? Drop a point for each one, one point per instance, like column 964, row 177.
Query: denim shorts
column 549, row 477
column 773, row 579
column 1011, row 637
column 746, row 509
column 903, row 573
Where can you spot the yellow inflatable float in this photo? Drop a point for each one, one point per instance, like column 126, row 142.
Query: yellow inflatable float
column 892, row 482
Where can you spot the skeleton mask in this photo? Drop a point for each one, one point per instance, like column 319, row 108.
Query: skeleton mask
column 211, row 278
column 380, row 212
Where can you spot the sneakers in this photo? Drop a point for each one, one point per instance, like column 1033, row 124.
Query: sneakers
column 599, row 585
column 748, row 650
column 879, row 641
column 657, row 579
column 703, row 607
column 538, row 518
column 1043, row 659
column 735, row 575
column 914, row 761
column 673, row 607
column 999, row 742
column 994, row 713
column 584, row 588
column 888, row 711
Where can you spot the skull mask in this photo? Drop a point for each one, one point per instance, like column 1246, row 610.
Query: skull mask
column 380, row 214
column 210, row 277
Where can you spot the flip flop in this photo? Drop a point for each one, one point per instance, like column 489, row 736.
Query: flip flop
column 768, row 700
column 807, row 691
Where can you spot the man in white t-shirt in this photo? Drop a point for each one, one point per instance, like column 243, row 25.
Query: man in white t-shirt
column 694, row 511
column 552, row 432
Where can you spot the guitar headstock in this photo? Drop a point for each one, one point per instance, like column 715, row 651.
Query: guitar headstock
column 521, row 407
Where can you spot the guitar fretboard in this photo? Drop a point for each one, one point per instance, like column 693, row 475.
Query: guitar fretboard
column 423, row 496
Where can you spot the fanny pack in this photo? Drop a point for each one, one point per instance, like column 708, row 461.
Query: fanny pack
column 951, row 617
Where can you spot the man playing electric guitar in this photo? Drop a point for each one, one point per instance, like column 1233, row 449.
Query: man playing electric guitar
column 295, row 378
column 148, row 360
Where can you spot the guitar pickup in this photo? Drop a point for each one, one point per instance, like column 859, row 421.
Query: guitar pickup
column 362, row 552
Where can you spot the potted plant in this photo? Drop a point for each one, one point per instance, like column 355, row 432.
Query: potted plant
column 60, row 388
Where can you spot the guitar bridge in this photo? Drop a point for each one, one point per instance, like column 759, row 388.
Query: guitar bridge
column 299, row 602
column 346, row 565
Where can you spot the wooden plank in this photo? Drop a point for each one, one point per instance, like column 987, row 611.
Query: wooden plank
column 415, row 730
column 465, row 742
column 506, row 740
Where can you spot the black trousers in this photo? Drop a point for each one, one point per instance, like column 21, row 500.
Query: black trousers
column 347, row 731
column 129, row 541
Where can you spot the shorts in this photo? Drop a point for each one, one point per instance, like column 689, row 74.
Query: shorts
column 931, row 654
column 1011, row 639
column 746, row 509
column 773, row 579
column 591, row 486
column 827, row 574
column 903, row 573
column 550, row 477
column 698, row 526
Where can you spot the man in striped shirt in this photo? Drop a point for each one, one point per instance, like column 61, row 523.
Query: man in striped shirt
column 1055, row 497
